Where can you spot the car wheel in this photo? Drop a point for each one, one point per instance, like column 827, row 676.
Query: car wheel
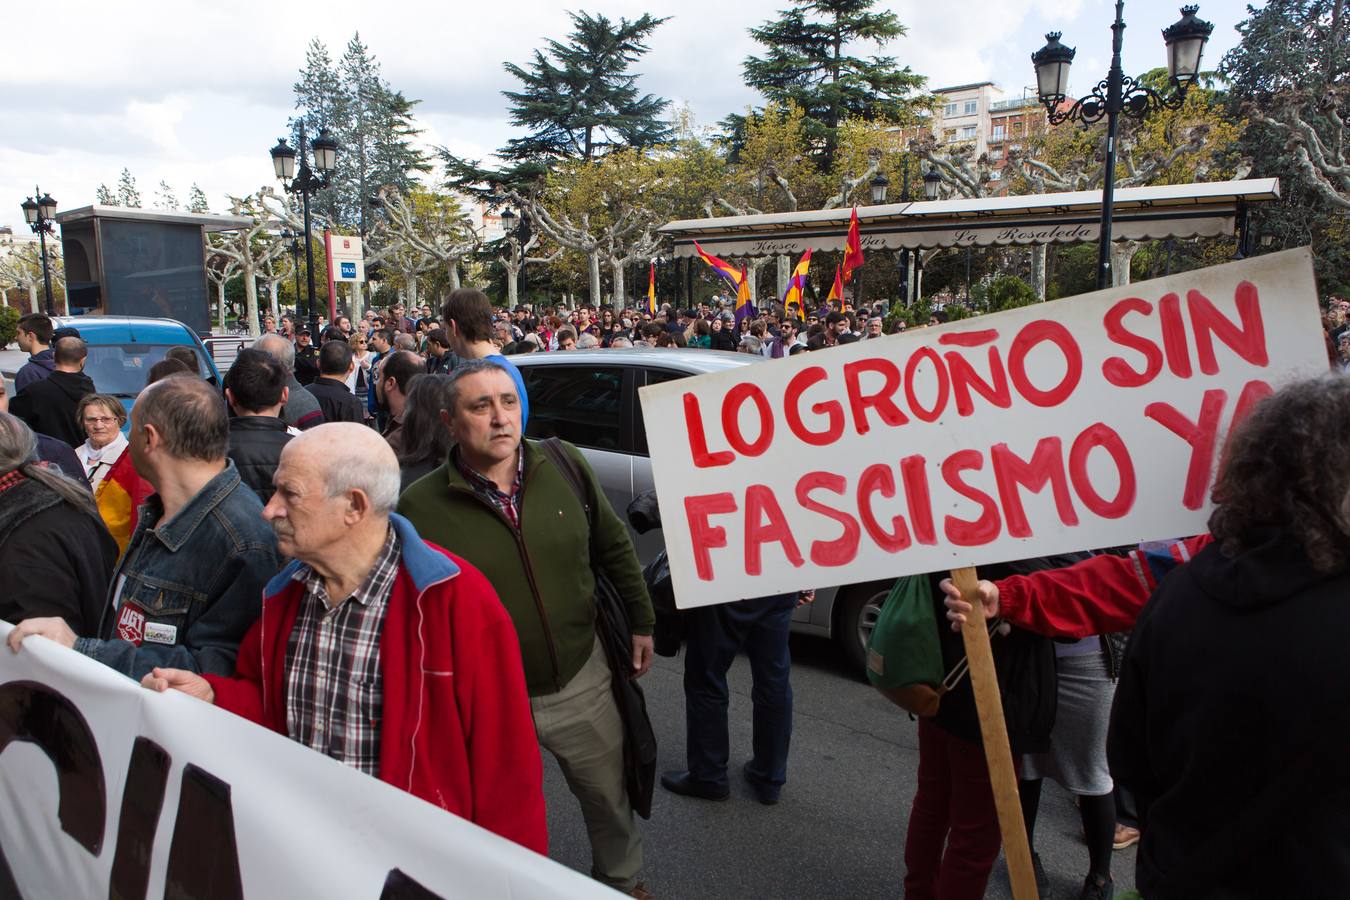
column 856, row 616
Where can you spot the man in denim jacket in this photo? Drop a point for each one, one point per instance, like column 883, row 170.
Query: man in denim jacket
column 190, row 583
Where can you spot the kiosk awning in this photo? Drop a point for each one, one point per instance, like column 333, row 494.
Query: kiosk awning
column 1175, row 210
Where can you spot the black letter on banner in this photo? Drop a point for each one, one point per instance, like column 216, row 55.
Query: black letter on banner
column 34, row 712
column 142, row 801
column 203, row 858
column 398, row 885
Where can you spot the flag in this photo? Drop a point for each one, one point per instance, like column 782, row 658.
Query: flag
column 853, row 254
column 837, row 289
column 744, row 308
column 118, row 496
column 797, row 283
column 723, row 268
column 651, row 290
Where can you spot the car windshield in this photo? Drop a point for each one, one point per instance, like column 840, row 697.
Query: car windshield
column 120, row 369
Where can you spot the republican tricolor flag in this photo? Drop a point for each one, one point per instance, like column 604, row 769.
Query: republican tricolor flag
column 651, row 290
column 797, row 283
column 744, row 308
column 723, row 268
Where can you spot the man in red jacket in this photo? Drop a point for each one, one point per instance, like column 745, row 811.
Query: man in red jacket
column 381, row 650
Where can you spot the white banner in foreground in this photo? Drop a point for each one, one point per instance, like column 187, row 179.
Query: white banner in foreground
column 1092, row 421
column 107, row 789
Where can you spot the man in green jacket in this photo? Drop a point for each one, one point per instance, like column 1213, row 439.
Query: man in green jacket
column 500, row 503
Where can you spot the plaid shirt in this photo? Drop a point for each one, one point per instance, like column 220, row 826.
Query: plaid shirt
column 506, row 504
column 334, row 693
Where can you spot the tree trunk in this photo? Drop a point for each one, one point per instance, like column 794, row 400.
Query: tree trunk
column 220, row 305
column 512, row 285
column 410, row 291
column 33, row 297
column 274, row 298
column 454, row 275
column 619, row 286
column 1038, row 270
column 593, row 258
column 250, row 297
column 784, row 273
column 1122, row 254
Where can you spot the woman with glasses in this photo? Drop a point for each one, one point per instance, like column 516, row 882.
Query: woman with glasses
column 102, row 417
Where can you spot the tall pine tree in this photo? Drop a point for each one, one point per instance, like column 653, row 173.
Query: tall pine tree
column 579, row 99
column 809, row 60
column 372, row 123
column 127, row 195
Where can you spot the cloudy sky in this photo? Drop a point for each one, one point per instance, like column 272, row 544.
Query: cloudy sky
column 187, row 91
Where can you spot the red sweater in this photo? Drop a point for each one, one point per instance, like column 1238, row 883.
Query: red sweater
column 1100, row 595
column 457, row 730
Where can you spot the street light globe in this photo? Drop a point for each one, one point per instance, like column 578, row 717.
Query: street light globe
column 932, row 181
column 325, row 151
column 47, row 206
column 1052, row 64
column 30, row 211
column 283, row 160
column 508, row 220
column 879, row 185
column 1185, row 43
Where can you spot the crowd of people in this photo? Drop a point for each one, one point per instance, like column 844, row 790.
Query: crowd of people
column 350, row 541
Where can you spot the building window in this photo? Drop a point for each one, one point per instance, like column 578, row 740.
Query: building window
column 971, row 107
column 949, row 135
column 998, row 132
column 949, row 110
column 996, row 153
column 968, row 132
column 995, row 174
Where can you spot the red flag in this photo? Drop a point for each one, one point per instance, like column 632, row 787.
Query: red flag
column 837, row 289
column 853, row 254
column 119, row 494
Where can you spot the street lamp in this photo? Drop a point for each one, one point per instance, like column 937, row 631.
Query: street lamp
column 305, row 183
column 932, row 183
column 1185, row 43
column 879, row 185
column 39, row 214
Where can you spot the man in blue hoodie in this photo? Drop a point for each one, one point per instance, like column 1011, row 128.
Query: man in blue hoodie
column 35, row 339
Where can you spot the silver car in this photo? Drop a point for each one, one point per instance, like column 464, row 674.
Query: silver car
column 590, row 398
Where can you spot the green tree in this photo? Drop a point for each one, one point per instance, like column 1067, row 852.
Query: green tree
column 1004, row 292
column 1290, row 75
column 809, row 59
column 127, row 195
column 197, row 201
column 9, row 324
column 105, row 196
column 372, row 123
column 578, row 99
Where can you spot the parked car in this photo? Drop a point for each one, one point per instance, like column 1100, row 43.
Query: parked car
column 590, row 398
column 123, row 348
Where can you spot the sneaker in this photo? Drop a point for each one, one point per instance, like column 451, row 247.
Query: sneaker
column 1125, row 837
column 1042, row 879
column 1097, row 888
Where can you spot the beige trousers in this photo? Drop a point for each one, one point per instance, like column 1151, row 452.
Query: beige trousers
column 580, row 726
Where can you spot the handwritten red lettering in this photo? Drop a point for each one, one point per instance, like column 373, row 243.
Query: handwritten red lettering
column 1027, row 339
column 731, row 419
column 703, row 535
column 1046, row 466
column 964, row 377
column 1115, row 369
column 1201, row 435
column 965, row 532
column 844, row 549
column 943, row 385
column 1174, row 336
column 914, row 473
column 698, row 440
column 880, row 400
column 766, row 524
column 1092, row 437
column 877, row 479
column 1247, row 341
column 833, row 412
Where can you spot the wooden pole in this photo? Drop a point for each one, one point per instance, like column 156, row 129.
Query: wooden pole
column 997, row 752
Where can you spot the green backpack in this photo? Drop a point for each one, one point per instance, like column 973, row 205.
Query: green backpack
column 904, row 654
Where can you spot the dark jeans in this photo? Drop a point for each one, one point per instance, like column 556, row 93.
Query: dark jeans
column 716, row 633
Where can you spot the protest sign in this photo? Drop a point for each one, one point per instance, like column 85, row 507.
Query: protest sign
column 1092, row 421
column 109, row 789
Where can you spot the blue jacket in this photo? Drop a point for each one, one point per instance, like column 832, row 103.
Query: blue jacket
column 191, row 589
column 38, row 367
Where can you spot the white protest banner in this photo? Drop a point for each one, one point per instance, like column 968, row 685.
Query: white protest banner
column 108, row 789
column 1088, row 422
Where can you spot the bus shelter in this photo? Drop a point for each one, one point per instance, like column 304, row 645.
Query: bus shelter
column 1205, row 209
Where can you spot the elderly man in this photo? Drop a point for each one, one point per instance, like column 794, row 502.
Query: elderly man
column 302, row 409
column 509, row 510
column 190, row 582
column 381, row 650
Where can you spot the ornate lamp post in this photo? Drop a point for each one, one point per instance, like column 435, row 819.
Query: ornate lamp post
column 39, row 214
column 1118, row 93
column 305, row 183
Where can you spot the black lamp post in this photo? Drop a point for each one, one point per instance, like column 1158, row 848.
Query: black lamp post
column 294, row 238
column 878, row 186
column 1118, row 93
column 39, row 214
column 305, row 183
